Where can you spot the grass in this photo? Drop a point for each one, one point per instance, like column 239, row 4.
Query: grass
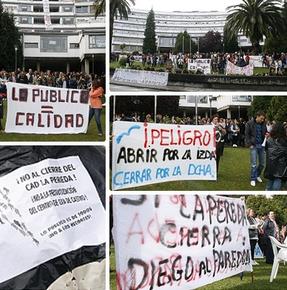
column 91, row 135
column 260, row 70
column 261, row 278
column 234, row 174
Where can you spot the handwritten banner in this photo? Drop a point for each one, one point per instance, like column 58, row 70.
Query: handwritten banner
column 46, row 110
column 46, row 210
column 202, row 63
column 232, row 69
column 141, row 77
column 147, row 153
column 179, row 242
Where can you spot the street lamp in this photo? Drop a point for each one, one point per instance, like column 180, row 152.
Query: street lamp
column 16, row 50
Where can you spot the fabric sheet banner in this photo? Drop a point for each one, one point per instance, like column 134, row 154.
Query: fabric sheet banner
column 141, row 77
column 179, row 242
column 147, row 153
column 46, row 110
column 46, row 210
column 47, row 15
column 232, row 69
column 202, row 63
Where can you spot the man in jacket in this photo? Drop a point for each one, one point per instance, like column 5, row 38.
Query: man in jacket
column 255, row 132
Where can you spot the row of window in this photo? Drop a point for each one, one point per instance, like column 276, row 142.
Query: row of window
column 60, row 43
column 40, row 20
column 55, row 9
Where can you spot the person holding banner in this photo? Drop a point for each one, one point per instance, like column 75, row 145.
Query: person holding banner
column 255, row 132
column 96, row 94
column 253, row 232
column 220, row 132
column 276, row 157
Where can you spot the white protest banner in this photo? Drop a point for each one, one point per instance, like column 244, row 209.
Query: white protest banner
column 232, row 69
column 147, row 153
column 256, row 60
column 203, row 63
column 46, row 210
column 46, row 110
column 141, row 77
column 47, row 15
column 179, row 241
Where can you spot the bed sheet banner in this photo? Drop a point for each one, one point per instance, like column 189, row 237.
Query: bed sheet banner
column 141, row 77
column 232, row 69
column 46, row 110
column 179, row 241
column 203, row 63
column 147, row 153
column 46, row 210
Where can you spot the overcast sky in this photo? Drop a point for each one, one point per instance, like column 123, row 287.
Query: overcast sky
column 184, row 5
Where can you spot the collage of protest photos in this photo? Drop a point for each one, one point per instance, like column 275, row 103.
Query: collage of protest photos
column 143, row 145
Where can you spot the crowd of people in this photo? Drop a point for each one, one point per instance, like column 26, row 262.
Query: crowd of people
column 260, row 230
column 73, row 80
column 275, row 62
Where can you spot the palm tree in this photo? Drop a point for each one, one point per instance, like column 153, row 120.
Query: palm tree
column 118, row 8
column 255, row 19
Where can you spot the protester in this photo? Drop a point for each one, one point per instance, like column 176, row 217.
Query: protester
column 270, row 228
column 255, row 132
column 253, row 232
column 96, row 94
column 276, row 157
column 220, row 132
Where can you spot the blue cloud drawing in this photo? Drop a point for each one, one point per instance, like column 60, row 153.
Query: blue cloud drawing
column 128, row 133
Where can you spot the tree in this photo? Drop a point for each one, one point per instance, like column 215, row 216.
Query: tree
column 230, row 44
column 278, row 42
column 278, row 109
column 9, row 39
column 149, row 43
column 260, row 104
column 255, row 19
column 118, row 8
column 184, row 42
column 210, row 42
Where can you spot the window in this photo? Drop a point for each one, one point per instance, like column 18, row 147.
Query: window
column 67, row 8
column 39, row 20
column 82, row 9
column 38, row 9
column 55, row 20
column 31, row 45
column 25, row 20
column 54, row 43
column 68, row 21
column 74, row 45
column 54, row 9
column 97, row 41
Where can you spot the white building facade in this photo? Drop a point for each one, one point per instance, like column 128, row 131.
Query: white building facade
column 168, row 25
column 60, row 35
column 226, row 106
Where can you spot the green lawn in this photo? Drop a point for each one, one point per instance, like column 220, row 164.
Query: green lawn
column 234, row 174
column 261, row 278
column 91, row 135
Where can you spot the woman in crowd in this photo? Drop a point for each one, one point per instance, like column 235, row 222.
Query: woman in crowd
column 276, row 157
column 253, row 232
column 96, row 94
column 270, row 228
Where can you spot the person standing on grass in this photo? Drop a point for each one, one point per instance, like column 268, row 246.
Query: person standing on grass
column 276, row 157
column 96, row 94
column 255, row 131
column 253, row 232
column 270, row 228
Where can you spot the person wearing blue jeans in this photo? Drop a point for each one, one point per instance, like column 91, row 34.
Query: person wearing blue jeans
column 276, row 157
column 255, row 132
